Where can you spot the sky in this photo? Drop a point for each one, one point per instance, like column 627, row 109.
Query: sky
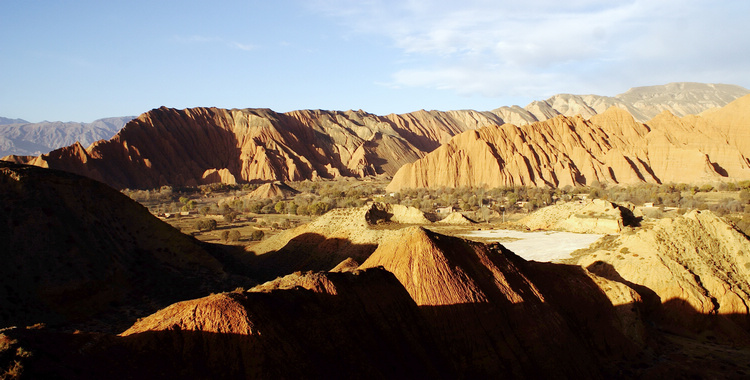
column 81, row 60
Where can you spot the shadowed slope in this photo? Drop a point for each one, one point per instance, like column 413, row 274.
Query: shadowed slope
column 73, row 247
column 312, row 326
column 492, row 318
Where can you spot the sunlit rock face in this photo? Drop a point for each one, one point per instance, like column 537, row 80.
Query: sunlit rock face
column 610, row 148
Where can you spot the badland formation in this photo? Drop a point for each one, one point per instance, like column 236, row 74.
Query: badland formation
column 93, row 285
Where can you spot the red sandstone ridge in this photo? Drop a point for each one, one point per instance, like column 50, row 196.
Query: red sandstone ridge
column 204, row 145
column 609, row 147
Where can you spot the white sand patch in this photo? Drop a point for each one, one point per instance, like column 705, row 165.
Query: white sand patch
column 539, row 245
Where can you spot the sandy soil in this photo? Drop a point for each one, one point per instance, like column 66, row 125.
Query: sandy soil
column 540, row 245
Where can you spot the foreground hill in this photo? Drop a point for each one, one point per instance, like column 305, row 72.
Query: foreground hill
column 74, row 249
column 366, row 324
column 205, row 145
column 608, row 148
column 424, row 304
column 19, row 137
column 695, row 262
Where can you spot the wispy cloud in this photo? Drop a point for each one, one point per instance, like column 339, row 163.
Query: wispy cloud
column 197, row 39
column 241, row 46
column 542, row 46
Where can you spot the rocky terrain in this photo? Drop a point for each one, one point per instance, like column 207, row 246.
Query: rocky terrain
column 75, row 250
column 609, row 148
column 666, row 297
column 431, row 311
column 695, row 266
column 272, row 190
column 94, row 286
column 19, row 137
column 340, row 234
column 206, row 145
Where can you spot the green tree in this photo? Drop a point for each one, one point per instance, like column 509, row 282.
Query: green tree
column 318, row 208
column 234, row 235
column 231, row 216
column 280, row 207
column 257, row 235
column 205, row 225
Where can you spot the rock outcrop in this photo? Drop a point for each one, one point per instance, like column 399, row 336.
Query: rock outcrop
column 590, row 216
column 427, row 305
column 273, row 190
column 609, row 148
column 73, row 248
column 305, row 325
column 492, row 294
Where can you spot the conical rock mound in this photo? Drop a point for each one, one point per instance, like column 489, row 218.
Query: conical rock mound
column 494, row 296
column 272, row 190
column 456, row 218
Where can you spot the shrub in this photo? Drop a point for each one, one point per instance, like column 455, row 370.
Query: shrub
column 234, row 235
column 257, row 235
column 231, row 216
column 318, row 208
column 280, row 207
column 205, row 225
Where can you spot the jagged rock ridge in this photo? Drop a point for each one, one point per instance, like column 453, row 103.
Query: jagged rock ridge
column 205, row 145
column 609, row 148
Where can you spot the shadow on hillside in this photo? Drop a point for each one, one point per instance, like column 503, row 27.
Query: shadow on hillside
column 303, row 334
column 678, row 316
column 305, row 252
column 651, row 300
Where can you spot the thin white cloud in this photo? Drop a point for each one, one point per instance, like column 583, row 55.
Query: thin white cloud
column 545, row 46
column 197, row 39
column 241, row 46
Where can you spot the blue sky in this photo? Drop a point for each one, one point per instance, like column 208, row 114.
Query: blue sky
column 84, row 60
